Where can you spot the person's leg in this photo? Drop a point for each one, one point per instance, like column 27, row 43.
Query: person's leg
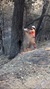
column 33, row 43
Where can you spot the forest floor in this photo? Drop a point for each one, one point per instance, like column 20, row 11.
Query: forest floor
column 28, row 70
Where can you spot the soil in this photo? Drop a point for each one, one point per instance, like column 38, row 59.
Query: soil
column 28, row 70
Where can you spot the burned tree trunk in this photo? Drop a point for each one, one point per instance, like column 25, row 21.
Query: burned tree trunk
column 46, row 2
column 1, row 29
column 17, row 31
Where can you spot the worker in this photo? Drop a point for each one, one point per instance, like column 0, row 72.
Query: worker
column 33, row 36
column 29, row 39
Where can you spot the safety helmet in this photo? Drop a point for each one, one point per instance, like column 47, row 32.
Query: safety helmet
column 33, row 27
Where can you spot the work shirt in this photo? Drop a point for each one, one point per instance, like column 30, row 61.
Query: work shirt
column 32, row 33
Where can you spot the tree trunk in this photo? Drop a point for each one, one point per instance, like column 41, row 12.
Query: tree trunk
column 43, row 13
column 17, row 31
column 1, row 29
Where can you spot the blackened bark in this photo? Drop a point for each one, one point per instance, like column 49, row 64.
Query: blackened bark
column 17, row 31
column 1, row 28
column 46, row 2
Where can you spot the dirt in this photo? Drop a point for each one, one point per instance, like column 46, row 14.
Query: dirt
column 28, row 70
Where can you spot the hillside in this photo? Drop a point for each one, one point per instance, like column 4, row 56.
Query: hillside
column 28, row 70
column 32, row 11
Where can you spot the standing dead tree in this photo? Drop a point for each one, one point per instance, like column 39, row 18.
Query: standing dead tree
column 1, row 28
column 17, row 31
column 46, row 2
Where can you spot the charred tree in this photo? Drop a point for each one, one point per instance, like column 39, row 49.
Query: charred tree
column 46, row 2
column 1, row 28
column 17, row 31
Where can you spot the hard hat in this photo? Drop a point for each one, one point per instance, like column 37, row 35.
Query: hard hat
column 33, row 27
